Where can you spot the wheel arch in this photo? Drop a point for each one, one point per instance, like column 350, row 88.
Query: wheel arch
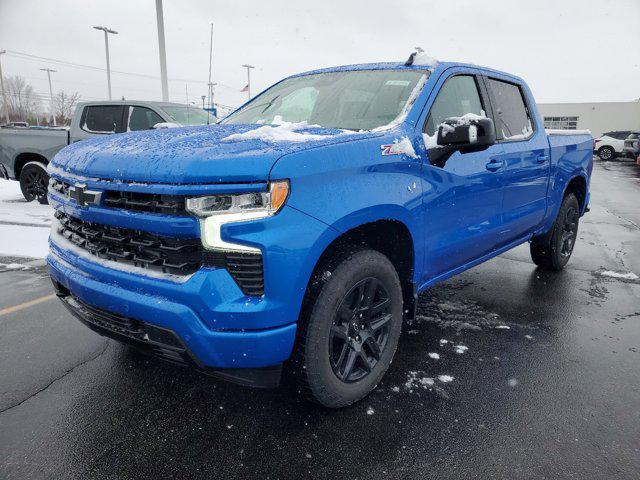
column 578, row 186
column 25, row 157
column 391, row 237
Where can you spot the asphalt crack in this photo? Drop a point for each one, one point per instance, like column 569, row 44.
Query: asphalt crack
column 69, row 371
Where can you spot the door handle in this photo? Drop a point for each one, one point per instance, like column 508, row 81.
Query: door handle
column 494, row 165
column 543, row 158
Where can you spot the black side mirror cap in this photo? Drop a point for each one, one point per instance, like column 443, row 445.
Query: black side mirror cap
column 467, row 134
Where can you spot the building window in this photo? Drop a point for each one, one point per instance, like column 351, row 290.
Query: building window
column 561, row 123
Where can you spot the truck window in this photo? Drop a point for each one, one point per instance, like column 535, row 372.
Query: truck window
column 102, row 119
column 142, row 118
column 457, row 97
column 511, row 114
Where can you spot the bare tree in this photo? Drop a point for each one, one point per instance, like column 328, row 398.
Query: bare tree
column 24, row 103
column 64, row 105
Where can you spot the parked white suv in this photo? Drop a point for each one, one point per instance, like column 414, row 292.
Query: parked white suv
column 610, row 144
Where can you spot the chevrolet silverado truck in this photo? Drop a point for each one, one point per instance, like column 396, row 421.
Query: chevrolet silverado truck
column 26, row 152
column 299, row 231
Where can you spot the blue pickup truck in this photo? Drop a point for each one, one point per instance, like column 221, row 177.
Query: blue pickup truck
column 299, row 231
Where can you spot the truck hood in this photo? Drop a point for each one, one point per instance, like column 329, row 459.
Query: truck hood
column 192, row 155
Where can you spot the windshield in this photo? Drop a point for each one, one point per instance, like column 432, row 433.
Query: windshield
column 351, row 100
column 189, row 115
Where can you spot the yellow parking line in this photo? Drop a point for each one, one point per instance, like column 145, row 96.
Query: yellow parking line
column 22, row 306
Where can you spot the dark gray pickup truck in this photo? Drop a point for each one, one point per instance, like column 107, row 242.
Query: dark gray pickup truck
column 26, row 152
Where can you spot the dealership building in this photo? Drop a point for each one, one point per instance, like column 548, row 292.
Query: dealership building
column 599, row 117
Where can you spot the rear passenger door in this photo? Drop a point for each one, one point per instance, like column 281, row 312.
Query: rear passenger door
column 525, row 158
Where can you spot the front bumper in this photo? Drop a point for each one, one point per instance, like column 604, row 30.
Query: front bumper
column 85, row 286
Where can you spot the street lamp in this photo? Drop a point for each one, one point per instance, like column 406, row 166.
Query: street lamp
column 4, row 95
column 53, row 114
column 107, row 31
column 248, row 67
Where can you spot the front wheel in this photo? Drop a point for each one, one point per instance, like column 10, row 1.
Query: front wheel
column 553, row 250
column 351, row 333
column 34, row 182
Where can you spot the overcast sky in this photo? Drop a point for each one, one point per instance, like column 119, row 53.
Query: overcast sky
column 568, row 50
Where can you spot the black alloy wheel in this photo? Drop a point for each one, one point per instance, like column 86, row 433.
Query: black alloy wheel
column 569, row 232
column 34, row 182
column 360, row 330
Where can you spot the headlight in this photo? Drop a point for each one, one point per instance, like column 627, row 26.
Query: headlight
column 216, row 210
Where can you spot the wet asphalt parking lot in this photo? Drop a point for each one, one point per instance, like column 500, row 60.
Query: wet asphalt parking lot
column 538, row 376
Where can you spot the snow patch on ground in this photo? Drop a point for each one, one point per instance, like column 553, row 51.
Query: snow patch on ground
column 445, row 378
column 370, row 411
column 6, row 267
column 418, row 380
column 460, row 349
column 24, row 226
column 620, row 275
column 435, row 356
column 457, row 315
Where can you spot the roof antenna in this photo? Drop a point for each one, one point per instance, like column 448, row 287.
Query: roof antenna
column 409, row 61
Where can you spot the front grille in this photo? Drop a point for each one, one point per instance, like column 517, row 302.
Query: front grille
column 146, row 202
column 177, row 256
column 245, row 268
column 136, row 201
column 59, row 186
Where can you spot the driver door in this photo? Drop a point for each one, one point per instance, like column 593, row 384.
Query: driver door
column 463, row 197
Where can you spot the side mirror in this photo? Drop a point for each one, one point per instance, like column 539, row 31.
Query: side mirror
column 467, row 134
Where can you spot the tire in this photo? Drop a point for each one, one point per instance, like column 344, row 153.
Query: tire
column 553, row 250
column 350, row 332
column 606, row 153
column 34, row 182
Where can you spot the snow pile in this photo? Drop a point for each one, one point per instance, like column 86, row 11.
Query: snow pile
column 460, row 349
column 448, row 126
column 620, row 275
column 435, row 356
column 400, row 147
column 422, row 59
column 7, row 267
column 418, row 380
column 370, row 411
column 445, row 378
column 457, row 315
column 281, row 132
column 526, row 133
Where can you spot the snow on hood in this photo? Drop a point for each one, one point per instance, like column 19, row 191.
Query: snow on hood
column 201, row 154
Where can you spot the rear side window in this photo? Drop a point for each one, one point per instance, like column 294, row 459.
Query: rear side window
column 457, row 97
column 142, row 118
column 102, row 119
column 510, row 111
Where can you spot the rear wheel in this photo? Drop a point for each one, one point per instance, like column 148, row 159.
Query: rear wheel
column 606, row 153
column 553, row 250
column 351, row 333
column 34, row 182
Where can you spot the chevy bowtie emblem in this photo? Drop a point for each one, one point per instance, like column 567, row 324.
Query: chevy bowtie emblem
column 84, row 197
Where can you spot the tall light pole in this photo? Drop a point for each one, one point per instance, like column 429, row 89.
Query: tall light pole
column 209, row 83
column 107, row 31
column 163, row 53
column 248, row 67
column 4, row 95
column 49, row 72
